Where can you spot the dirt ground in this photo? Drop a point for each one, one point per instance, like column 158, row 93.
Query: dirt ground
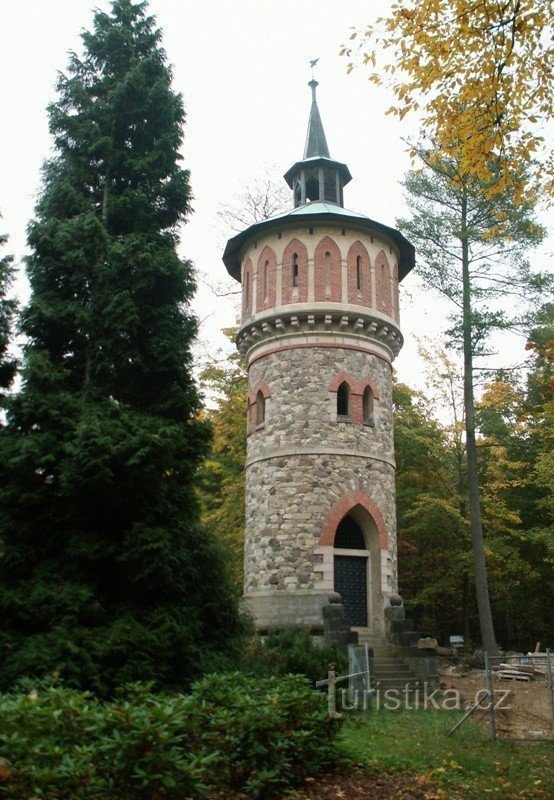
column 358, row 785
column 354, row 784
column 525, row 713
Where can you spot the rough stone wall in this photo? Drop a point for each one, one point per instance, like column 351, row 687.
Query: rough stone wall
column 293, row 476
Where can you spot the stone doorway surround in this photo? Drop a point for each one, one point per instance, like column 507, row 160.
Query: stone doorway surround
column 366, row 513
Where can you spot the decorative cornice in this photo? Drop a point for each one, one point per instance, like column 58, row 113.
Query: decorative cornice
column 320, row 323
column 295, row 452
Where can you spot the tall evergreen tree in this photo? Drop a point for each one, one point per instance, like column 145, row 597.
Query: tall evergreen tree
column 105, row 575
column 8, row 364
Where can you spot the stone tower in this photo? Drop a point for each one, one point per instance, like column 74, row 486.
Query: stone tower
column 319, row 331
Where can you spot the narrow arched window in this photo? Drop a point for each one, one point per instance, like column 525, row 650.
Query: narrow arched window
column 260, row 408
column 343, row 400
column 247, row 290
column 359, row 273
column 295, row 269
column 327, row 263
column 266, row 281
column 367, row 404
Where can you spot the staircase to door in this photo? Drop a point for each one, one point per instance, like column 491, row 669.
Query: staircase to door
column 388, row 669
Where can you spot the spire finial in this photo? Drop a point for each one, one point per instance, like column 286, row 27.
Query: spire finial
column 316, row 144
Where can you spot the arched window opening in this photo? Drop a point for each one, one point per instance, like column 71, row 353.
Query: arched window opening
column 349, row 535
column 260, row 408
column 327, row 265
column 247, row 290
column 367, row 403
column 343, row 400
column 266, row 282
column 359, row 273
column 295, row 269
column 312, row 185
column 330, row 184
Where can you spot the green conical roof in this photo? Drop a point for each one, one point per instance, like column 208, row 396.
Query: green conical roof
column 316, row 143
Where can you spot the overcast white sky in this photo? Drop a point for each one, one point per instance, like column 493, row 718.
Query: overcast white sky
column 242, row 68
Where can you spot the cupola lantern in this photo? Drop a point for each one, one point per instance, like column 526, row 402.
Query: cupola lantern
column 318, row 177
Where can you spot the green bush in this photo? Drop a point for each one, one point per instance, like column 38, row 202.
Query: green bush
column 265, row 733
column 232, row 732
column 64, row 744
column 292, row 651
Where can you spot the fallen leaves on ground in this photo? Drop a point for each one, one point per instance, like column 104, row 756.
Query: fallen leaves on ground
column 354, row 784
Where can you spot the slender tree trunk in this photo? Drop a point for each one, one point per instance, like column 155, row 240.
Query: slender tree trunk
column 481, row 582
column 465, row 609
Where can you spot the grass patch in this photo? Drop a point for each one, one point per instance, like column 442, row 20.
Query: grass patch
column 416, row 741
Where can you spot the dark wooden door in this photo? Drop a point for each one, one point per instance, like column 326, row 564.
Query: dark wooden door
column 351, row 584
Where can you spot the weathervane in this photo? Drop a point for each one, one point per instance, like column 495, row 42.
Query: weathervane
column 313, row 62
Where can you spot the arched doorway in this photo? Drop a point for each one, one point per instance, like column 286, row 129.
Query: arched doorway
column 351, row 561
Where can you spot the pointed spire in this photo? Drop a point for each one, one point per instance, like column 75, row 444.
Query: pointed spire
column 316, row 143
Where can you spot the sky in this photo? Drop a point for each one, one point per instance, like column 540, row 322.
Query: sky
column 242, row 68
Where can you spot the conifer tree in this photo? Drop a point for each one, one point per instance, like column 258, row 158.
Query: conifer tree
column 105, row 575
column 472, row 248
column 8, row 365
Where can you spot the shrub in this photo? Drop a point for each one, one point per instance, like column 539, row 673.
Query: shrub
column 232, row 732
column 292, row 651
column 64, row 744
column 265, row 733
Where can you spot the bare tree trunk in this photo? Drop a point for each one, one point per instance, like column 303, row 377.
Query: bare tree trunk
column 465, row 609
column 481, row 582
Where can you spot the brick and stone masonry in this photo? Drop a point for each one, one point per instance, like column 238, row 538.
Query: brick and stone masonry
column 319, row 332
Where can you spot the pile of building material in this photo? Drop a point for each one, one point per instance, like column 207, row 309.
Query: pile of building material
column 523, row 668
column 515, row 672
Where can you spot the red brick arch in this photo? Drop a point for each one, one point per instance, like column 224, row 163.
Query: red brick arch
column 364, row 383
column 262, row 387
column 263, row 299
column 395, row 300
column 356, row 387
column 327, row 245
column 341, row 378
column 382, row 273
column 300, row 293
column 363, row 296
column 251, row 402
column 247, row 278
column 342, row 508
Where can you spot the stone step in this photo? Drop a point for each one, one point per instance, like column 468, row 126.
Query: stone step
column 375, row 643
column 390, row 666
column 366, row 635
column 396, row 669
column 394, row 683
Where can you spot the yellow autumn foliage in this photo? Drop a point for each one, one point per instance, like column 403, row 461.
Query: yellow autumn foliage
column 480, row 74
